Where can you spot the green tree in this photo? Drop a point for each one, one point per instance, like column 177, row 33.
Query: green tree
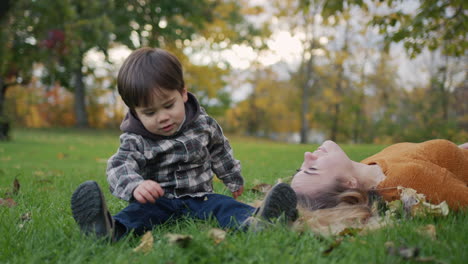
column 63, row 32
column 434, row 24
column 187, row 27
column 17, row 52
column 305, row 17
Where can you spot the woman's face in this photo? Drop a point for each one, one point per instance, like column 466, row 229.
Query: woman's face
column 321, row 168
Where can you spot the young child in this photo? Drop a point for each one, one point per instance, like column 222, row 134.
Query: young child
column 167, row 155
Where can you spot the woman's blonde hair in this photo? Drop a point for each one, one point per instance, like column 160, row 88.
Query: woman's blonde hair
column 335, row 208
column 333, row 195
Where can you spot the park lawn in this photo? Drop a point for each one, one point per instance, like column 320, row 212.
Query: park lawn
column 50, row 164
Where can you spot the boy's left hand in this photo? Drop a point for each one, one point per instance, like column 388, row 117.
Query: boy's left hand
column 238, row 192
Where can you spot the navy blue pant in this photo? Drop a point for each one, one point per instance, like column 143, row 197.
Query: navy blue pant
column 142, row 217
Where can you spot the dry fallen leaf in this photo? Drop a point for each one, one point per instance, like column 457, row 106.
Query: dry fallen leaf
column 146, row 244
column 216, row 179
column 410, row 198
column 350, row 231
column 179, row 240
column 26, row 217
column 15, row 190
column 38, row 173
column 415, row 204
column 287, row 179
column 332, row 246
column 428, row 230
column 7, row 158
column 403, row 251
column 426, row 208
column 218, row 235
column 261, row 188
column 16, row 186
column 8, row 202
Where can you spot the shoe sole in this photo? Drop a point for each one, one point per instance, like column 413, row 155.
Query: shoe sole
column 88, row 205
column 280, row 200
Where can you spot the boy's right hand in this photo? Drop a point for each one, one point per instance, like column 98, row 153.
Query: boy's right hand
column 148, row 191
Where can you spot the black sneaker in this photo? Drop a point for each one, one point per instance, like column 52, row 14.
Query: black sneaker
column 280, row 201
column 90, row 211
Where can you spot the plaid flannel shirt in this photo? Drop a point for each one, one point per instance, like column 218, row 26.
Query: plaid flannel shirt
column 182, row 165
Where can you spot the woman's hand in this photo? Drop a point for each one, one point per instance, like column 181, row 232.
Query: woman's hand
column 238, row 192
column 148, row 191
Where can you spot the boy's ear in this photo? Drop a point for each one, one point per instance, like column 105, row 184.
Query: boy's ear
column 184, row 94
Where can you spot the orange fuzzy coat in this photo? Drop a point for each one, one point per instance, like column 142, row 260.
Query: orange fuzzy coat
column 436, row 168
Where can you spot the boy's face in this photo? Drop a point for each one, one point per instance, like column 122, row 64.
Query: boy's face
column 165, row 113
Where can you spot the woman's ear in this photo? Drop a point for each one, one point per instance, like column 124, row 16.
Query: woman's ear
column 351, row 182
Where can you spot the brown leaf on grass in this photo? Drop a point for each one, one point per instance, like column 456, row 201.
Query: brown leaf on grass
column 6, row 158
column 16, row 186
column 8, row 202
column 146, row 244
column 403, row 251
column 428, row 230
column 410, row 198
column 180, row 240
column 218, row 235
column 100, row 160
column 256, row 203
column 287, row 179
column 426, row 209
column 38, row 173
column 332, row 246
column 43, row 181
column 26, row 217
column 261, row 188
column 61, row 155
column 216, row 179
column 15, row 190
column 350, row 231
column 415, row 204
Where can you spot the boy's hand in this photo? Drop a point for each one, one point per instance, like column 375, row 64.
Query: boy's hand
column 238, row 192
column 148, row 191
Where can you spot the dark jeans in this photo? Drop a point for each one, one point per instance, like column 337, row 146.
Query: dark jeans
column 142, row 217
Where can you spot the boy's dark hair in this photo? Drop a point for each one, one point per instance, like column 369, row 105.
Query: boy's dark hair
column 145, row 71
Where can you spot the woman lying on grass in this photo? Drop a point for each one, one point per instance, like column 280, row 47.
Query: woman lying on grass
column 329, row 179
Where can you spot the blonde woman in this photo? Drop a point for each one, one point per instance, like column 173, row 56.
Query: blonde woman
column 328, row 178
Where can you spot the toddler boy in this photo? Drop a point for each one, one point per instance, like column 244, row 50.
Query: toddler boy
column 168, row 152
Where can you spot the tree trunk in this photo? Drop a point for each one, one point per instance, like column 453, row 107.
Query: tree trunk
column 307, row 82
column 304, row 111
column 340, row 85
column 80, row 95
column 444, row 91
column 4, row 123
column 337, row 107
column 334, row 129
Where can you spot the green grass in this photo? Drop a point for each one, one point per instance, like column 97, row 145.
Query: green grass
column 50, row 164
